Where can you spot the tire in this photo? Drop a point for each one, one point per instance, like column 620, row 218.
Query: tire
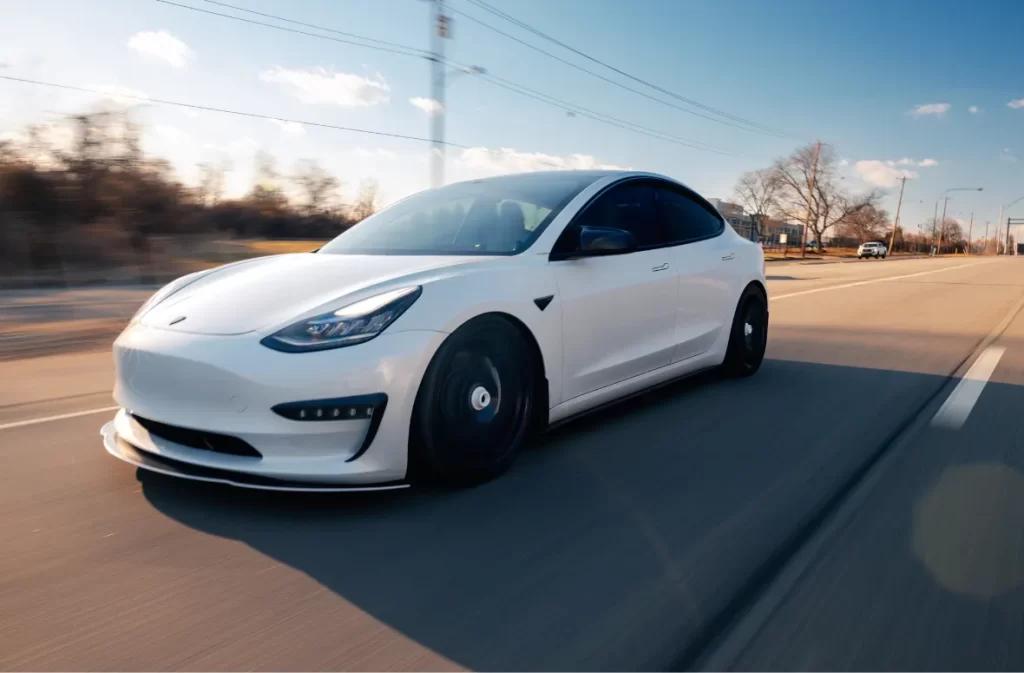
column 474, row 406
column 748, row 336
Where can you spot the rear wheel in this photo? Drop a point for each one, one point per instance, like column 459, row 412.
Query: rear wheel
column 474, row 405
column 749, row 336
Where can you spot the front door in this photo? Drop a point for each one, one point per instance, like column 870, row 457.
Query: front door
column 618, row 319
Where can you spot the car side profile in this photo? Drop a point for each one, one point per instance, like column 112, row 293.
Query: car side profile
column 874, row 249
column 429, row 341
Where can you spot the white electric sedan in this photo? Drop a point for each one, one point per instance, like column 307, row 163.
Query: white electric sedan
column 431, row 340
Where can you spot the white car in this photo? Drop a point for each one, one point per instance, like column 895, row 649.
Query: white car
column 430, row 340
column 871, row 250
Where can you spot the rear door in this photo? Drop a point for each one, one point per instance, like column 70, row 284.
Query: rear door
column 702, row 256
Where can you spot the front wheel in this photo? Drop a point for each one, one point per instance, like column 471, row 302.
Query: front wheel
column 748, row 337
column 474, row 405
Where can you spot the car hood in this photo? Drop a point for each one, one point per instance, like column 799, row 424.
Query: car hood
column 267, row 291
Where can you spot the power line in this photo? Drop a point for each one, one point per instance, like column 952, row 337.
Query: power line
column 598, row 116
column 384, row 46
column 599, row 76
column 422, row 52
column 493, row 79
column 208, row 108
column 753, row 125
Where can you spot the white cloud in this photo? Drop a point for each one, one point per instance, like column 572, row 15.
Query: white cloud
column 171, row 134
column 925, row 163
column 1007, row 155
column 508, row 160
column 881, row 173
column 904, row 162
column 363, row 153
column 322, row 86
column 1016, row 104
column 291, row 128
column 428, row 105
column 162, row 45
column 190, row 113
column 122, row 95
column 844, row 162
column 930, row 109
column 974, row 109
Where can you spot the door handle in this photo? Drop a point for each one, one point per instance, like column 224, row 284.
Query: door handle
column 660, row 267
column 728, row 257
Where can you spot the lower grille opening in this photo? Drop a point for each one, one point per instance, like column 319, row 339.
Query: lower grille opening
column 199, row 439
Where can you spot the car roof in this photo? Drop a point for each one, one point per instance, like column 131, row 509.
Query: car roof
column 590, row 175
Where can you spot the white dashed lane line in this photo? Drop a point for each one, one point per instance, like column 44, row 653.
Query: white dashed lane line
column 955, row 410
column 59, row 417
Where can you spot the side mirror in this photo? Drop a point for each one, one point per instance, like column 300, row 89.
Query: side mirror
column 606, row 241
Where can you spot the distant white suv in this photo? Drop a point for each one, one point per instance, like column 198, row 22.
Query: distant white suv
column 871, row 250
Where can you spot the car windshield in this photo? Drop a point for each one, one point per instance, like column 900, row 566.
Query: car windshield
column 496, row 216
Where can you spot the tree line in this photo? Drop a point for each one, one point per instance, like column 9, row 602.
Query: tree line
column 806, row 187
column 74, row 200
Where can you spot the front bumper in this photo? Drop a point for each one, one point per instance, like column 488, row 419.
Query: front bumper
column 228, row 385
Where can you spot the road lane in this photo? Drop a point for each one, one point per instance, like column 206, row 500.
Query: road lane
column 617, row 542
column 923, row 569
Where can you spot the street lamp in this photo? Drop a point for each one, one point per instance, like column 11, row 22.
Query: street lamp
column 935, row 217
column 999, row 223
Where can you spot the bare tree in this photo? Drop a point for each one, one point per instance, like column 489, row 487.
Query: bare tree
column 756, row 191
column 318, row 186
column 211, row 183
column 864, row 224
column 819, row 200
column 266, row 194
column 366, row 201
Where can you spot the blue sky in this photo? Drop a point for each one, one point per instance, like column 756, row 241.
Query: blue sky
column 849, row 74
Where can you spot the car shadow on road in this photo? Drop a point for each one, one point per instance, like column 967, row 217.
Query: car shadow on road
column 619, row 541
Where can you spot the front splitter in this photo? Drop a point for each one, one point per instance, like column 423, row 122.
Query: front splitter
column 119, row 448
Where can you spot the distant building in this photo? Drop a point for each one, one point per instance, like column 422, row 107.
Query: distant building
column 735, row 215
column 773, row 229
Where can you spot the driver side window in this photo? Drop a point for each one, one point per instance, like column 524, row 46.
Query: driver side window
column 628, row 206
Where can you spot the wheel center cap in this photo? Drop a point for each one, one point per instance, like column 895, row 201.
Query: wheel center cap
column 748, row 329
column 480, row 398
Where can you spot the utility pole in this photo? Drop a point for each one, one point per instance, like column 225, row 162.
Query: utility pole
column 938, row 251
column 810, row 200
column 438, row 34
column 985, row 246
column 970, row 230
column 999, row 223
column 896, row 223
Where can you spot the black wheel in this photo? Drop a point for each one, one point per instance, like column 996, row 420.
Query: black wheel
column 473, row 408
column 749, row 336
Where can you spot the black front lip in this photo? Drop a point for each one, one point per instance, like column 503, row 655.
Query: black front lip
column 122, row 449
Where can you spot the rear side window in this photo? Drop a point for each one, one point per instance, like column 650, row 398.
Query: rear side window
column 685, row 219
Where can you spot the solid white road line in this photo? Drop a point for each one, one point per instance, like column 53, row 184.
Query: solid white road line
column 955, row 410
column 61, row 417
column 872, row 280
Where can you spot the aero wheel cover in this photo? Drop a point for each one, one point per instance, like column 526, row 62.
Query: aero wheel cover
column 481, row 402
column 754, row 333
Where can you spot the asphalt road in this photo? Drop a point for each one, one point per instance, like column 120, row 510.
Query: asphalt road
column 812, row 517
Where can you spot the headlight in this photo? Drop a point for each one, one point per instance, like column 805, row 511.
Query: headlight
column 349, row 325
column 165, row 292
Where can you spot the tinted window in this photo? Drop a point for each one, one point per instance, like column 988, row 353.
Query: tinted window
column 498, row 216
column 629, row 207
column 685, row 219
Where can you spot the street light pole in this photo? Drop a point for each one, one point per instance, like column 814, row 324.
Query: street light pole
column 896, row 222
column 942, row 226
